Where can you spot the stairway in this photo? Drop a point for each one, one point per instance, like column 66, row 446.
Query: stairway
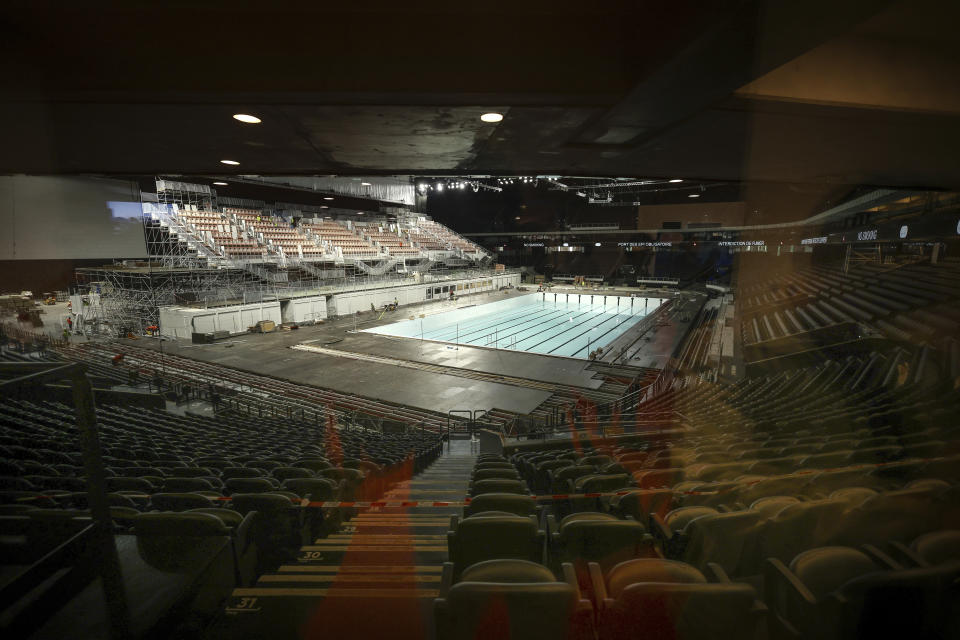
column 375, row 578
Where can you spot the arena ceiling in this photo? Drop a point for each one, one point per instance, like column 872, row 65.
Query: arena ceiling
column 817, row 92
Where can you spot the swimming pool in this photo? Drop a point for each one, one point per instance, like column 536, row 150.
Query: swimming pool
column 562, row 324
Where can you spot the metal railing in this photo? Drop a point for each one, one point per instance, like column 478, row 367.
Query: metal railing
column 107, row 560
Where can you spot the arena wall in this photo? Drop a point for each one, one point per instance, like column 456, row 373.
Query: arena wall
column 182, row 322
column 344, row 304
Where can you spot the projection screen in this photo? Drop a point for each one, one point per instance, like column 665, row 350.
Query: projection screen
column 67, row 217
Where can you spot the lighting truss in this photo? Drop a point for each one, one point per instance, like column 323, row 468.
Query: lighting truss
column 425, row 184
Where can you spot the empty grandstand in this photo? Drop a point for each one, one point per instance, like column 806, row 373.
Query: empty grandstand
column 562, row 321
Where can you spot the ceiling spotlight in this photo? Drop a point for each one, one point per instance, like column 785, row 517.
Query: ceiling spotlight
column 566, row 244
column 359, row 213
column 364, row 184
column 461, row 185
column 243, row 117
column 694, row 195
column 677, row 180
column 492, row 117
column 220, row 184
column 323, row 206
column 328, row 197
column 230, row 162
column 439, row 186
column 596, row 244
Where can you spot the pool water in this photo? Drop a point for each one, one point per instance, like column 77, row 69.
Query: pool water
column 569, row 325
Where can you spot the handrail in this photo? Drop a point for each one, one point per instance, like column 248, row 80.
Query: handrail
column 43, row 568
column 108, row 562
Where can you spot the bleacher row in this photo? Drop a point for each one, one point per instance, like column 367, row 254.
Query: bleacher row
column 759, row 515
column 693, row 354
column 424, row 240
column 333, row 234
column 212, row 226
column 910, row 303
column 853, row 389
column 661, row 536
column 100, row 374
column 247, row 234
column 391, row 241
column 293, row 242
column 448, row 237
column 226, row 469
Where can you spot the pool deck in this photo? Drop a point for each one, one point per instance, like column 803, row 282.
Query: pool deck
column 269, row 354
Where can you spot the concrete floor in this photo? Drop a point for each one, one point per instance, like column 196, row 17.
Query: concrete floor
column 498, row 361
column 269, row 354
column 53, row 317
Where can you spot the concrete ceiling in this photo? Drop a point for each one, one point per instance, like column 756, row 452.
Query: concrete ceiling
column 859, row 92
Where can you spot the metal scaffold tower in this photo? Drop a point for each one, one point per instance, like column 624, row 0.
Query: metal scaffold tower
column 169, row 243
column 128, row 299
column 186, row 195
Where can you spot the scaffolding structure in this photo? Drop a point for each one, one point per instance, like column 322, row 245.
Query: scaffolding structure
column 181, row 269
column 165, row 248
column 186, row 195
column 128, row 299
column 168, row 242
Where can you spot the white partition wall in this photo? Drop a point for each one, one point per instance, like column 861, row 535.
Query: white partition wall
column 344, row 304
column 182, row 322
column 313, row 308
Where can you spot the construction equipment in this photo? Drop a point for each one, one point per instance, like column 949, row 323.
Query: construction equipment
column 264, row 326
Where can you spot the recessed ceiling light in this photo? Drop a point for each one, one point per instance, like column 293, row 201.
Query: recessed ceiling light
column 365, row 184
column 677, row 180
column 492, row 117
column 517, row 218
column 359, row 213
column 230, row 162
column 244, row 117
column 694, row 195
column 328, row 197
column 323, row 206
column 220, row 184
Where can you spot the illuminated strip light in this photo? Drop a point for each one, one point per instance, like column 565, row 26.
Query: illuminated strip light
column 644, row 244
